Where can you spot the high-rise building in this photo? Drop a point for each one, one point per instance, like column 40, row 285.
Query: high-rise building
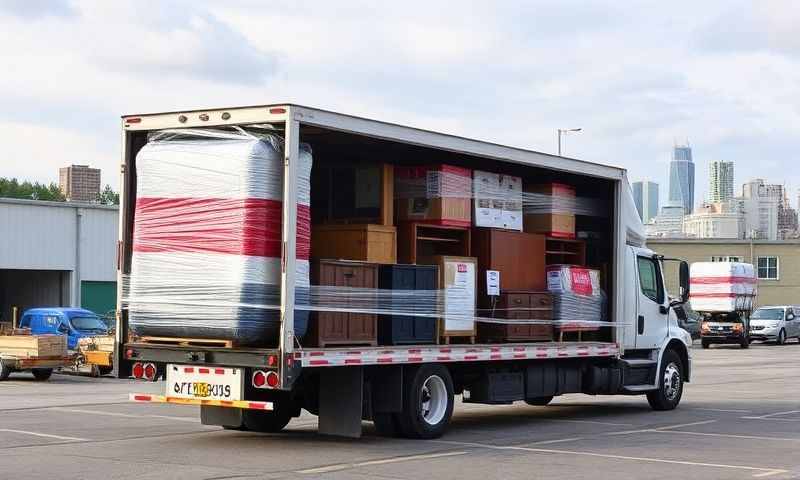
column 720, row 181
column 645, row 195
column 79, row 183
column 759, row 203
column 681, row 178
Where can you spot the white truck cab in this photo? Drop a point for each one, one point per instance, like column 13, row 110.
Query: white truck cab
column 776, row 323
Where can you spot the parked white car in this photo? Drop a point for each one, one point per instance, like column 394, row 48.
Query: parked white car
column 777, row 323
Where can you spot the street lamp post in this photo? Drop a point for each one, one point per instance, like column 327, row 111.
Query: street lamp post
column 564, row 131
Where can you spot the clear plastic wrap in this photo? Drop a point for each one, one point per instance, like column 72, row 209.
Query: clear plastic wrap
column 578, row 301
column 722, row 286
column 207, row 236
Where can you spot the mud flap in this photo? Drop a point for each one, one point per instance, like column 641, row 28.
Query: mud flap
column 222, row 416
column 341, row 401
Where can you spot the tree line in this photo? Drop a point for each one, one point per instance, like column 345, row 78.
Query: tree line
column 13, row 188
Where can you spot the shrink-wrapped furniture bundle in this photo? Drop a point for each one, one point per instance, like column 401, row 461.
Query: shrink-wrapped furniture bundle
column 207, row 240
column 578, row 301
column 722, row 286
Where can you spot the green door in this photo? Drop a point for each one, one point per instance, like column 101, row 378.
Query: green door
column 99, row 297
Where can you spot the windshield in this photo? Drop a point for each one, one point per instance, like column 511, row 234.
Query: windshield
column 88, row 323
column 768, row 314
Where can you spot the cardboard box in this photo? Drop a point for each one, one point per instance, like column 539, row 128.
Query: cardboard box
column 438, row 194
column 549, row 209
column 498, row 200
column 365, row 242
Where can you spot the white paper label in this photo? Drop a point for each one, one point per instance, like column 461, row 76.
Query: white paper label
column 492, row 283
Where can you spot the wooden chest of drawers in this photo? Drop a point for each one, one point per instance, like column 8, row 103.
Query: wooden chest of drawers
column 344, row 328
column 518, row 305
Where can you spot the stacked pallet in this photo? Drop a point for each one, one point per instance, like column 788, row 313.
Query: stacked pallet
column 103, row 343
column 33, row 346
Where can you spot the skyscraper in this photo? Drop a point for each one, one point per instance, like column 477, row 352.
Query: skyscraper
column 720, row 181
column 79, row 183
column 645, row 194
column 681, row 178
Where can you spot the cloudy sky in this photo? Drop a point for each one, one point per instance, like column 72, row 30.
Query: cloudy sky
column 636, row 76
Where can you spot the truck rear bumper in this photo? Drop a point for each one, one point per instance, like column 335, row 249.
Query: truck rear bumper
column 244, row 404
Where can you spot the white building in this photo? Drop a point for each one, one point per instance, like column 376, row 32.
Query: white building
column 57, row 254
column 714, row 221
column 759, row 204
column 668, row 223
column 720, row 181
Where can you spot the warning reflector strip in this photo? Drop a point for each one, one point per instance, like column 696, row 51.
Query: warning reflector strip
column 147, row 398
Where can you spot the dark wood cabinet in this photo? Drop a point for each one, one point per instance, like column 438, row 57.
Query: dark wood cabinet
column 518, row 256
column 405, row 329
column 518, row 305
column 343, row 327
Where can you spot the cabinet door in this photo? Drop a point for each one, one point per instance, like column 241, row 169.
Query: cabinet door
column 361, row 326
column 332, row 325
column 425, row 327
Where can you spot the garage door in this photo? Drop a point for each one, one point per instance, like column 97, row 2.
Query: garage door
column 99, row 297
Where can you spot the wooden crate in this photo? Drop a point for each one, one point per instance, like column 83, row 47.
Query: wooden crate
column 33, row 346
column 103, row 343
column 368, row 243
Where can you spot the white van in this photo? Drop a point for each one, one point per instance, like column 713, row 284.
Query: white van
column 777, row 323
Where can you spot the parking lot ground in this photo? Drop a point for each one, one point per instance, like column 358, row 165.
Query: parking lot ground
column 739, row 419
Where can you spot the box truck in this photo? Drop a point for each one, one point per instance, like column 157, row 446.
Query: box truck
column 280, row 257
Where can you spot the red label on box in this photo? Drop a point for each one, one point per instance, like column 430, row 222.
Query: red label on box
column 581, row 281
column 462, row 268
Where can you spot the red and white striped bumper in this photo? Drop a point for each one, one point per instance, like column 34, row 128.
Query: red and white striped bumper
column 245, row 404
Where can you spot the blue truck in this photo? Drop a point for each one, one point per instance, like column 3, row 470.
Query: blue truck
column 74, row 323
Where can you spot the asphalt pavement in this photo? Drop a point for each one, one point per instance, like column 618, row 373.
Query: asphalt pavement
column 739, row 419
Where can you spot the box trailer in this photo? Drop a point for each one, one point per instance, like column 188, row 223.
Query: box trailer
column 566, row 300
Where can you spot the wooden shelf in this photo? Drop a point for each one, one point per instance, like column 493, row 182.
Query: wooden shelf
column 439, row 239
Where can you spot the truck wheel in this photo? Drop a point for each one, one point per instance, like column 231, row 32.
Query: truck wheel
column 670, row 388
column 427, row 402
column 705, row 343
column 105, row 370
column 539, row 401
column 41, row 374
column 781, row 337
column 5, row 370
column 267, row 421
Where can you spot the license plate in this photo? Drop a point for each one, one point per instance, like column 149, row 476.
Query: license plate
column 204, row 383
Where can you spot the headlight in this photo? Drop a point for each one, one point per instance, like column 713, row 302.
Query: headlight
column 773, row 324
column 705, row 327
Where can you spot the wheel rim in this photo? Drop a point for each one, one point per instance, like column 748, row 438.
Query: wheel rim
column 672, row 382
column 433, row 401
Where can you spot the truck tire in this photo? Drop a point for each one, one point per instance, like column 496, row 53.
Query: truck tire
column 670, row 385
column 105, row 370
column 539, row 401
column 705, row 343
column 781, row 337
column 427, row 402
column 745, row 343
column 267, row 421
column 41, row 374
column 5, row 370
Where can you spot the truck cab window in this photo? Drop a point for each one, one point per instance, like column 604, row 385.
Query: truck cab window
column 649, row 279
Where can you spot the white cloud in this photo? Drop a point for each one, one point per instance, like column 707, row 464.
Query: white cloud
column 636, row 77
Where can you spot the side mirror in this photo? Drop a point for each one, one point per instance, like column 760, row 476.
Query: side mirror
column 684, row 281
column 790, row 316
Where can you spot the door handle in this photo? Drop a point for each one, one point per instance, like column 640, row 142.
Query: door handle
column 641, row 324
column 663, row 310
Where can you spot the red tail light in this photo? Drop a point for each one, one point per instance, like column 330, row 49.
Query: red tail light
column 133, row 120
column 138, row 370
column 273, row 379
column 259, row 379
column 149, row 371
column 277, row 110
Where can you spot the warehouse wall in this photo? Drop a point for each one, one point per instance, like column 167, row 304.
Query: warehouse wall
column 44, row 236
column 785, row 290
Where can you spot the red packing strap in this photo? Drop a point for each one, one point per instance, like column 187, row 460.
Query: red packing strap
column 237, row 226
column 713, row 280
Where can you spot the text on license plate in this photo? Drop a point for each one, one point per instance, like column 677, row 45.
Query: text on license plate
column 210, row 383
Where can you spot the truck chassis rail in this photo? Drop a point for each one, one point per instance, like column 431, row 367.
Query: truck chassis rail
column 452, row 353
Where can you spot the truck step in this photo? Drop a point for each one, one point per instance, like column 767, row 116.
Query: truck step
column 639, row 362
